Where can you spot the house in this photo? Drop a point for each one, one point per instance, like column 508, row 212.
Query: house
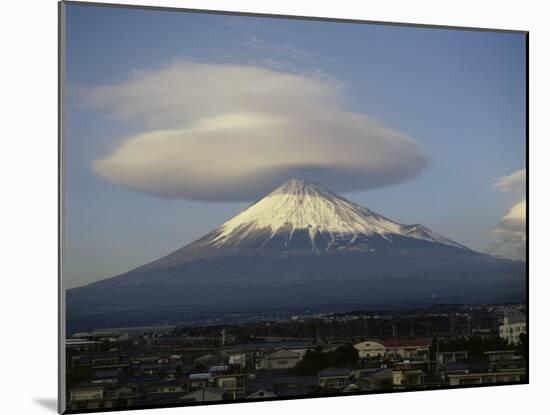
column 88, row 397
column 335, row 378
column 218, row 369
column 81, row 362
column 398, row 348
column 107, row 359
column 352, row 387
column 444, row 358
column 496, row 356
column 477, row 373
column 110, row 376
column 82, row 345
column 203, row 395
column 408, row 377
column 142, row 380
column 200, row 380
column 282, row 386
column 158, row 368
column 261, row 394
column 281, row 359
column 370, row 349
column 86, row 393
column 167, row 387
column 124, row 391
column 287, row 387
column 233, row 385
column 479, row 378
column 205, row 361
column 505, row 359
column 166, row 392
column 454, row 368
column 373, row 379
column 139, row 359
column 409, row 373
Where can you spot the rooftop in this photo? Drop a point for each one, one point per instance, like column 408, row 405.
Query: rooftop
column 340, row 371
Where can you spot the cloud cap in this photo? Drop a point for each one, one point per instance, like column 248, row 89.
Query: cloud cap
column 510, row 235
column 234, row 133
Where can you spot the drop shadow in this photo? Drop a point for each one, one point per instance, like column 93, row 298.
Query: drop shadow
column 48, row 403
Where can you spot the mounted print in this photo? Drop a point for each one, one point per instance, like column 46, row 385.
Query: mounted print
column 259, row 207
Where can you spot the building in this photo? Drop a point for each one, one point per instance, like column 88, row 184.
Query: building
column 157, row 368
column 370, row 349
column 232, row 385
column 82, row 345
column 125, row 391
column 443, row 358
column 281, row 359
column 513, row 325
column 479, row 378
column 409, row 373
column 282, row 386
column 351, row 387
column 205, row 361
column 86, row 393
column 166, row 393
column 238, row 359
column 335, row 378
column 106, row 376
column 200, row 380
column 505, row 359
column 500, row 367
column 373, row 379
column 203, row 395
column 408, row 377
column 87, row 397
column 218, row 369
column 261, row 394
column 395, row 348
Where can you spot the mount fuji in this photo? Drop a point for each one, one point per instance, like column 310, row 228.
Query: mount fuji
column 300, row 246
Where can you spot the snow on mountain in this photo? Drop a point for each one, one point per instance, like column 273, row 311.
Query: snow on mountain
column 309, row 206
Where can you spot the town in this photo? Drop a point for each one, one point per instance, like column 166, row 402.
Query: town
column 310, row 354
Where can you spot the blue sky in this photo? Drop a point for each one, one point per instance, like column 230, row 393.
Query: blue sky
column 460, row 95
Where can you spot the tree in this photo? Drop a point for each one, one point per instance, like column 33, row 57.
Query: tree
column 523, row 346
column 316, row 360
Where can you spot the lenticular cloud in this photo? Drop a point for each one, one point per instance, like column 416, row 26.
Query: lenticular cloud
column 234, row 132
column 510, row 235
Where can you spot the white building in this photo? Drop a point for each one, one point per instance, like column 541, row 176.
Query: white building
column 513, row 325
column 281, row 359
column 402, row 349
column 238, row 359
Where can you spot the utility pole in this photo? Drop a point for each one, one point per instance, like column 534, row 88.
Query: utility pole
column 429, row 361
column 223, row 336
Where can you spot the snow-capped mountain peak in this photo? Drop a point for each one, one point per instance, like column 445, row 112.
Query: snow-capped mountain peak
column 300, row 205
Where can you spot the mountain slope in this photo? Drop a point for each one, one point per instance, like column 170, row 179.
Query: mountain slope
column 300, row 245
